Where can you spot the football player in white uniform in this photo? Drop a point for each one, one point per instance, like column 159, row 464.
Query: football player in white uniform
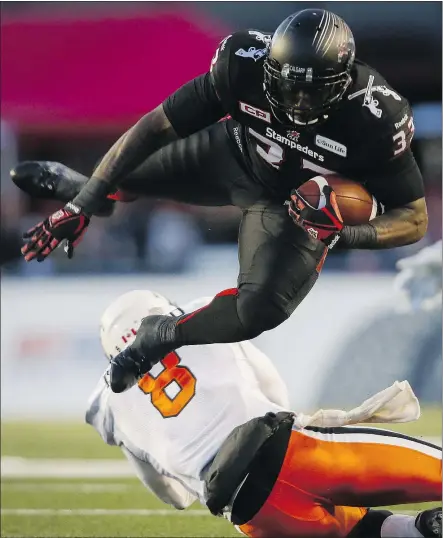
column 212, row 424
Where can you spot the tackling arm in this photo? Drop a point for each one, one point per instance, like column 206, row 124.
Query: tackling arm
column 99, row 415
column 167, row 489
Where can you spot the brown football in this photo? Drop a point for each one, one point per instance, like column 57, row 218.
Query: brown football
column 356, row 204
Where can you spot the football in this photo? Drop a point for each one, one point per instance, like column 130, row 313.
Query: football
column 356, row 204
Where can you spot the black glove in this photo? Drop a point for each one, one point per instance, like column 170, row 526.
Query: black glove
column 324, row 224
column 68, row 223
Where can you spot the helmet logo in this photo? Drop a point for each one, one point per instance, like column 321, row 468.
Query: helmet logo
column 129, row 335
column 342, row 51
column 252, row 52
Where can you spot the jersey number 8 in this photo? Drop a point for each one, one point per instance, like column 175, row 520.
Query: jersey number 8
column 172, row 374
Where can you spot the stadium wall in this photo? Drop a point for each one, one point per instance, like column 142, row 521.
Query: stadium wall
column 333, row 350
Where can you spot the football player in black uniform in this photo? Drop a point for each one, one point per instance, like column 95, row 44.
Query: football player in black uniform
column 299, row 105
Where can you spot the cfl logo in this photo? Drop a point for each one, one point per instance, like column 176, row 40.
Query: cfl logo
column 312, row 232
column 256, row 112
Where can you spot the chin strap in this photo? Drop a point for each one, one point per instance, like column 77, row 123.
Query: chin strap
column 324, row 117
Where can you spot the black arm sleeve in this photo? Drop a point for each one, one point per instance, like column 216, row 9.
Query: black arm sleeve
column 194, row 106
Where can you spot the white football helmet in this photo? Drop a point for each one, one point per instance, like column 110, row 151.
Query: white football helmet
column 120, row 321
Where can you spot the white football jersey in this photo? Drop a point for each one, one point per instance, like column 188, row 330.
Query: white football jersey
column 178, row 416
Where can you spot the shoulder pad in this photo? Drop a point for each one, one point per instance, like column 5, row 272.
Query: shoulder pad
column 381, row 104
column 244, row 44
column 237, row 64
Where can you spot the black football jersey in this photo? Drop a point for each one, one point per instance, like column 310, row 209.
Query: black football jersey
column 366, row 138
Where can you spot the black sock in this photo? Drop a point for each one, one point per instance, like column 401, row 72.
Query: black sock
column 217, row 322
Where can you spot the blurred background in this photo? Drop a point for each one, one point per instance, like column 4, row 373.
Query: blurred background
column 75, row 75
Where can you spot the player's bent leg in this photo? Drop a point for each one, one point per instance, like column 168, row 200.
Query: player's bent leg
column 364, row 466
column 279, row 264
column 267, row 506
column 298, row 515
column 48, row 180
column 53, row 181
column 326, row 479
column 201, row 169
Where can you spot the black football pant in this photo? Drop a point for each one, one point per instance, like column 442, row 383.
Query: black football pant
column 279, row 262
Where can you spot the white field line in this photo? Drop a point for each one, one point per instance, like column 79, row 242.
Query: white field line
column 15, row 467
column 12, row 467
column 68, row 487
column 101, row 512
column 106, row 512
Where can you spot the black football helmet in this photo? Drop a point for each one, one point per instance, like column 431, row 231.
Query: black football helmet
column 308, row 65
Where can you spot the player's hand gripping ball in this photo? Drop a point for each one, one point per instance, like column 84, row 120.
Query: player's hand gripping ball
column 323, row 222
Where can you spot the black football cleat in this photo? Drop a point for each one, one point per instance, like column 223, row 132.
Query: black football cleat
column 155, row 339
column 428, row 523
column 125, row 371
column 52, row 181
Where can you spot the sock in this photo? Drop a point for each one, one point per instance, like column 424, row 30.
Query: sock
column 218, row 322
column 399, row 526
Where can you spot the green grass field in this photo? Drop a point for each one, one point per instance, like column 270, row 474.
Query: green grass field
column 73, row 500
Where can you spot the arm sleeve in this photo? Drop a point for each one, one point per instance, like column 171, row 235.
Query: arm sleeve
column 167, row 489
column 267, row 376
column 194, row 106
column 395, row 179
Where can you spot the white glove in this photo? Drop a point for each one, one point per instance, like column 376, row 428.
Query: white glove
column 395, row 404
column 420, row 278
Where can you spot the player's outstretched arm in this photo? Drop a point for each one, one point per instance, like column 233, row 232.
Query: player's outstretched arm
column 150, row 133
column 71, row 222
column 191, row 108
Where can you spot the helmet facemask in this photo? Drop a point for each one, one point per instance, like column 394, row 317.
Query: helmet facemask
column 298, row 97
